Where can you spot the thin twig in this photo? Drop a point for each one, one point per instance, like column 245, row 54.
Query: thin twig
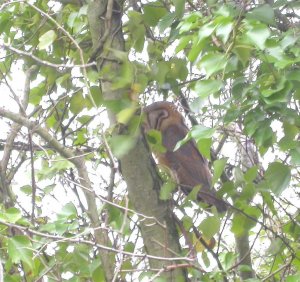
column 76, row 239
column 46, row 63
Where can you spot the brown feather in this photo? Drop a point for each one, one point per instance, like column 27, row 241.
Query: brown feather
column 187, row 164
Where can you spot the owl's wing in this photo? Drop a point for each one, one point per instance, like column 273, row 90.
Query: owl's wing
column 189, row 166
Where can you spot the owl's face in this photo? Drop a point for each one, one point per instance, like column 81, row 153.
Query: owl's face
column 160, row 115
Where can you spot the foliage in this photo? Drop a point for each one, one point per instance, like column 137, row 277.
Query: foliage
column 235, row 69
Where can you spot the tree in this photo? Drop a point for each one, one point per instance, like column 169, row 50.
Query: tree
column 81, row 197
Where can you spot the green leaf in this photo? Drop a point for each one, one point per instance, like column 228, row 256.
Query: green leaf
column 218, row 166
column 253, row 120
column 77, row 103
column 277, row 92
column 61, row 80
column 67, row 212
column 205, row 88
column 241, row 223
column 11, row 215
column 269, row 200
column 232, row 64
column 199, row 132
column 238, row 175
column 36, row 94
column 80, row 137
column 20, row 250
column 47, row 39
column 228, row 259
column 126, row 114
column 61, row 164
column 232, row 114
column 275, row 247
column 183, row 42
column 76, row 22
column 196, row 49
column 206, row 30
column 57, row 165
column 258, row 34
column 190, row 21
column 206, row 261
column 204, row 146
column 166, row 190
column 293, row 278
column 154, row 139
column 93, row 76
column 288, row 40
column 212, row 63
column 159, row 71
column 243, row 52
column 49, row 188
column 193, row 194
column 121, row 144
column 84, row 119
column 197, row 104
column 116, row 105
column 179, row 7
column 26, row 189
column 210, row 226
column 182, row 142
column 247, row 268
column 248, row 192
column 226, row 10
column 178, row 69
column 278, row 176
column 116, row 217
column 187, row 222
column 137, row 30
column 293, row 75
column 153, row 12
column 224, row 28
column 229, row 188
column 71, row 19
column 125, row 76
column 264, row 135
column 5, row 21
column 238, row 87
column 264, row 13
column 127, row 266
column 295, row 156
column 251, row 174
column 166, row 21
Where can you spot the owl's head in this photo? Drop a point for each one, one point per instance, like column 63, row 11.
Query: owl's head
column 160, row 115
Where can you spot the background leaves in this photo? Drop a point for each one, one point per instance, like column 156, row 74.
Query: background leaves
column 236, row 65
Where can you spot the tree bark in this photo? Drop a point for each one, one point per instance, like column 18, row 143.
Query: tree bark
column 244, row 255
column 159, row 231
column 248, row 159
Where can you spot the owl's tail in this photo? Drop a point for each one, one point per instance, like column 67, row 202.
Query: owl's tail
column 212, row 200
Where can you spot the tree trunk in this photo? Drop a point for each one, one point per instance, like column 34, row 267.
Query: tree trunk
column 244, row 255
column 248, row 159
column 159, row 232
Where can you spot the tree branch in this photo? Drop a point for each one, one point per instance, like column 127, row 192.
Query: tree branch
column 77, row 239
column 8, row 147
column 78, row 161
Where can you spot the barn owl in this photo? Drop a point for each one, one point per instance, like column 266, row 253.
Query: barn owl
column 186, row 163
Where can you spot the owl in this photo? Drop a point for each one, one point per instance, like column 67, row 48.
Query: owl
column 187, row 165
